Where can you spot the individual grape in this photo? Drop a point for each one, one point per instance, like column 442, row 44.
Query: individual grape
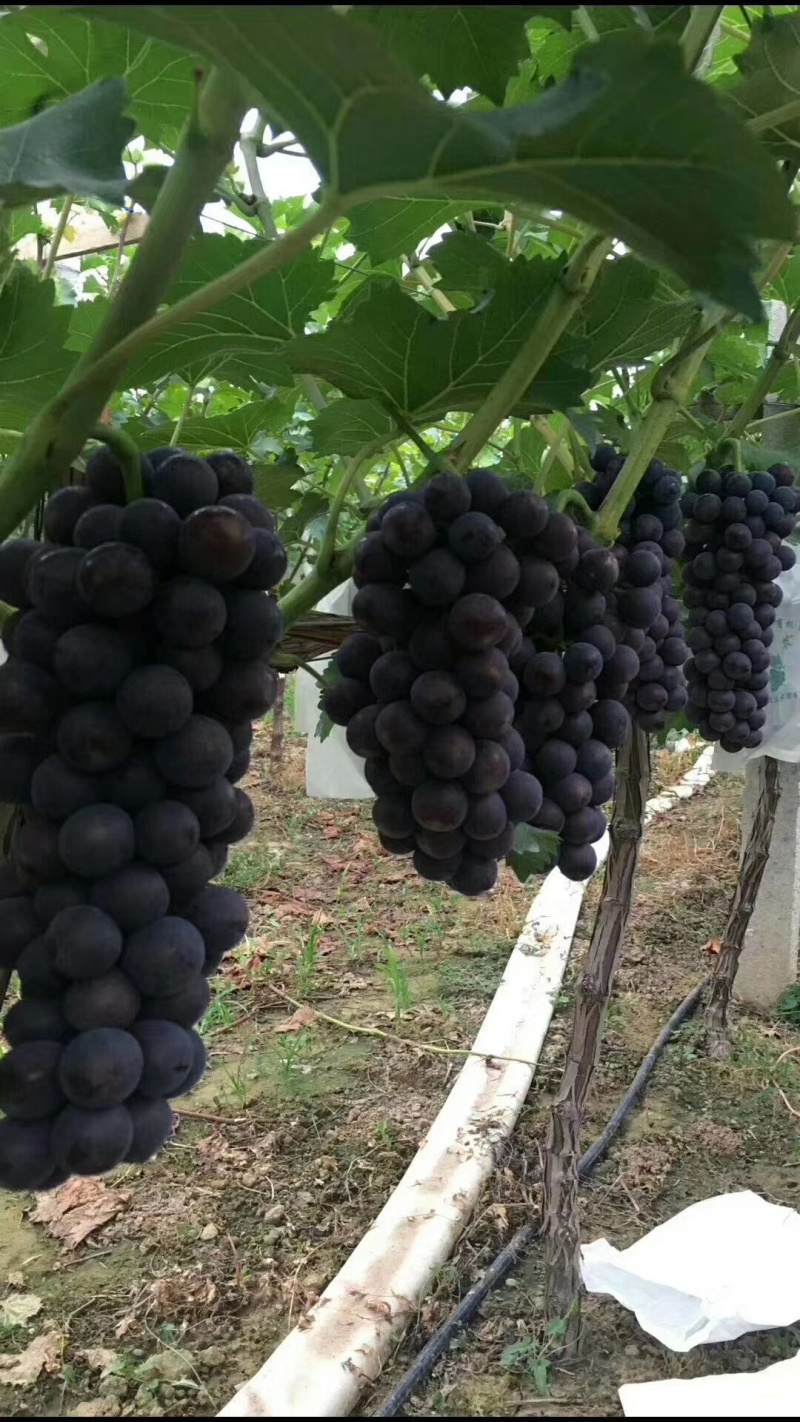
column 611, row 722
column 158, row 957
column 83, row 941
column 132, row 896
column 437, row 578
column 446, row 496
column 35, row 849
column 35, row 1020
column 449, row 752
column 406, row 845
column 489, row 717
column 602, row 790
column 545, row 674
column 497, row 575
column 555, row 760
column 585, row 826
column 168, row 1054
column 582, row 662
column 436, row 870
column 221, row 915
column 243, row 820
column 114, row 579
column 214, row 806
column 185, row 482
column 384, row 609
column 598, row 570
column 198, row 1065
column 25, row 1158
column 475, row 876
column 361, row 735
column 185, row 1007
column 549, row 816
column 342, row 699
column 165, row 832
column 29, row 1081
column 108, row 1000
column 522, row 795
column 15, row 557
column 184, row 881
column 440, row 805
column 640, row 606
column 152, row 526
column 199, row 665
column 473, row 537
column 134, row 783
column 523, row 515
column 357, row 655
column 92, row 738
column 20, row 757
column 90, row 1142
column 36, row 639
column 481, row 673
column 392, row 816
column 242, row 691
column 100, row 523
column 37, row 975
column 398, row 728
column 250, row 508
column 445, row 844
column 188, row 612
column 391, row 677
column 62, row 511
column 96, row 840
column 192, row 756
column 487, row 489
column 375, row 563
column 437, row 697
column 253, row 625
column 476, row 622
column 577, row 861
column 486, row 816
column 594, row 761
column 379, row 777
column 154, row 701
column 538, row 581
column 234, row 475
column 215, row 543
column 558, row 538
column 92, row 661
column 52, row 580
column 100, row 1068
column 430, row 646
column 153, row 1122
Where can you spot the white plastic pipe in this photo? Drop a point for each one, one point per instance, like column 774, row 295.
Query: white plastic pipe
column 322, row 1366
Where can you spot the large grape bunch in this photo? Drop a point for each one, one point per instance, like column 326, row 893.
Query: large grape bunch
column 430, row 692
column 736, row 524
column 650, row 539
column 138, row 659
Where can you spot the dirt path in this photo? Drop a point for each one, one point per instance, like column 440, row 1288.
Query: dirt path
column 200, row 1262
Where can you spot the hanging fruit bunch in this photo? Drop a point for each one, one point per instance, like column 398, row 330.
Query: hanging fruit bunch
column 138, row 660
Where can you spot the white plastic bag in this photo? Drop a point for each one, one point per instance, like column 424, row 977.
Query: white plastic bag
column 723, row 1267
column 782, row 727
column 773, row 1392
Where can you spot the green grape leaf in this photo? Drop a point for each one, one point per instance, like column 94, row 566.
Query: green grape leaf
column 629, row 143
column 467, row 262
column 629, row 314
column 239, row 429
column 535, row 851
column 33, row 358
column 241, row 339
column 274, row 484
column 347, row 425
column 390, row 349
column 393, row 227
column 46, row 54
column 330, row 676
column 768, row 78
column 74, row 147
column 458, row 46
column 311, row 506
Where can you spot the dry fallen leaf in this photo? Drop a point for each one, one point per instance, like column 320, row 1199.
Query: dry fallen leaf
column 713, row 945
column 100, row 1359
column 303, row 1017
column 78, row 1208
column 18, row 1308
column 22, row 1369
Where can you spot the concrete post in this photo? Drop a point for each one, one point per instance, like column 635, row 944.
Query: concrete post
column 769, row 961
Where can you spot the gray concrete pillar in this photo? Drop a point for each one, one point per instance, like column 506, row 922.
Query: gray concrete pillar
column 769, row 961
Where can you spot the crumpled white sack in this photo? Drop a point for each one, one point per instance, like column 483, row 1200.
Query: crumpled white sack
column 723, row 1267
column 773, row 1392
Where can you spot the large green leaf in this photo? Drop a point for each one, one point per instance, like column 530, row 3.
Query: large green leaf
column 392, row 227
column 479, row 46
column 630, row 143
column 347, row 425
column 74, row 147
column 389, row 349
column 242, row 338
column 33, row 358
column 239, row 430
column 47, row 54
column 769, row 77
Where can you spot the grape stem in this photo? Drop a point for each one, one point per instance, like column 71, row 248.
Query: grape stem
column 567, row 295
column 781, row 353
column 124, row 448
column 56, row 239
column 698, row 32
column 570, row 497
column 348, row 476
column 59, row 431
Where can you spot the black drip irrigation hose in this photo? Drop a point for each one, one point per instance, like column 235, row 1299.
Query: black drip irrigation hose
column 501, row 1267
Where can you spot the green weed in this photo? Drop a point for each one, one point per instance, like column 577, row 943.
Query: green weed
column 397, row 978
column 533, row 1356
column 249, row 866
column 293, row 1051
column 308, row 960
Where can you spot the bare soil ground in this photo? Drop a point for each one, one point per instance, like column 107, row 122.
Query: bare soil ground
column 157, row 1291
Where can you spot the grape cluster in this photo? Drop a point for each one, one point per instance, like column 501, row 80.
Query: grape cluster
column 456, row 690
column 426, row 691
column 736, row 524
column 137, row 661
column 650, row 538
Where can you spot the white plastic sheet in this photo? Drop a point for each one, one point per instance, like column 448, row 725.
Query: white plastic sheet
column 332, row 771
column 723, row 1267
column 773, row 1392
